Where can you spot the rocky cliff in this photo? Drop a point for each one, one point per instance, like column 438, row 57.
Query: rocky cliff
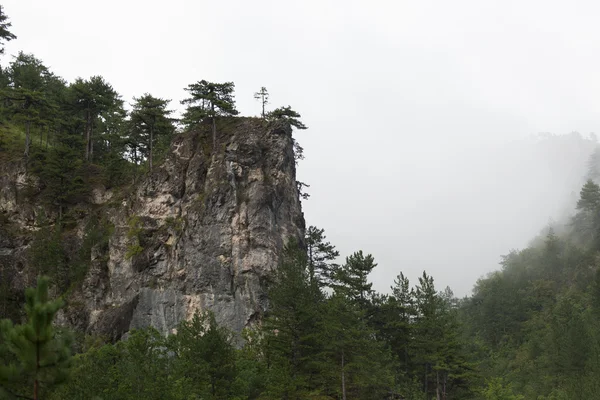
column 203, row 231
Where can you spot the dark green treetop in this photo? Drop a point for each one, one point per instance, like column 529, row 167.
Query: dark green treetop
column 41, row 353
column 150, row 118
column 206, row 356
column 292, row 117
column 92, row 98
column 589, row 196
column 5, row 34
column 287, row 114
column 320, row 256
column 209, row 100
column 351, row 278
column 26, row 92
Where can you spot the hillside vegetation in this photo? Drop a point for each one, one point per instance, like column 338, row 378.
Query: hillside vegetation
column 529, row 331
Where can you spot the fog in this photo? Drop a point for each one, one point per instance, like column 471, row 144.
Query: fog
column 451, row 211
column 420, row 114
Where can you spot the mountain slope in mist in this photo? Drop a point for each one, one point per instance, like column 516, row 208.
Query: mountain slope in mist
column 470, row 202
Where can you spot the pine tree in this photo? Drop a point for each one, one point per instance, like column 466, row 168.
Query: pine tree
column 205, row 356
column 26, row 93
column 137, row 368
column 587, row 221
column 359, row 365
column 292, row 345
column 98, row 371
column 143, row 370
column 400, row 324
column 209, row 100
column 428, row 328
column 438, row 348
column 351, row 280
column 320, row 256
column 5, row 34
column 263, row 96
column 589, row 197
column 292, row 118
column 93, row 98
column 53, row 118
column 570, row 340
column 593, row 172
column 114, row 154
column 42, row 353
column 288, row 115
column 62, row 173
column 150, row 118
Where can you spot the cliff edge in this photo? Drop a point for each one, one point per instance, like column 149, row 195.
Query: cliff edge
column 203, row 231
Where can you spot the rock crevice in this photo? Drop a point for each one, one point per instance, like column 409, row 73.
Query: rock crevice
column 201, row 232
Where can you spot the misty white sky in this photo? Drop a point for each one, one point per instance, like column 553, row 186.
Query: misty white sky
column 418, row 111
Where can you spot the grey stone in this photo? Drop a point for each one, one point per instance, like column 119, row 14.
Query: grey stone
column 212, row 228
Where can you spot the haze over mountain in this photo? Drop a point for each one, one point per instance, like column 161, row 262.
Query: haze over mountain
column 418, row 112
column 453, row 211
column 166, row 248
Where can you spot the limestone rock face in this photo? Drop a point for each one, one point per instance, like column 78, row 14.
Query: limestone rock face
column 203, row 231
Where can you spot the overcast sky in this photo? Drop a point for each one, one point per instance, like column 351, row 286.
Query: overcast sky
column 418, row 111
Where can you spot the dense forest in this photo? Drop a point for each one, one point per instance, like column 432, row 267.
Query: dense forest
column 529, row 331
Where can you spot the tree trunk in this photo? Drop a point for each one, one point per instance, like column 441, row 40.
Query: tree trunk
column 406, row 356
column 91, row 141
column 37, row 368
column 438, row 394
column 444, row 386
column 214, row 133
column 27, row 137
column 151, row 141
column 311, row 265
column 88, row 135
column 343, row 379
column 214, row 127
column 426, row 388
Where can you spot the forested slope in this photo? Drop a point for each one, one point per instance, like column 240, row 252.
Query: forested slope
column 71, row 151
column 536, row 321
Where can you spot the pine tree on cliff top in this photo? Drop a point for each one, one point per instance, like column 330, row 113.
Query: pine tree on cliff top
column 209, row 100
column 149, row 119
column 263, row 96
column 287, row 114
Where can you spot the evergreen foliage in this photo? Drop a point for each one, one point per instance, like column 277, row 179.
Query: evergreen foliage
column 287, row 114
column 293, row 118
column 5, row 34
column 150, row 119
column 25, row 96
column 529, row 331
column 93, row 99
column 351, row 280
column 37, row 354
column 263, row 96
column 209, row 100
column 320, row 256
column 204, row 357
